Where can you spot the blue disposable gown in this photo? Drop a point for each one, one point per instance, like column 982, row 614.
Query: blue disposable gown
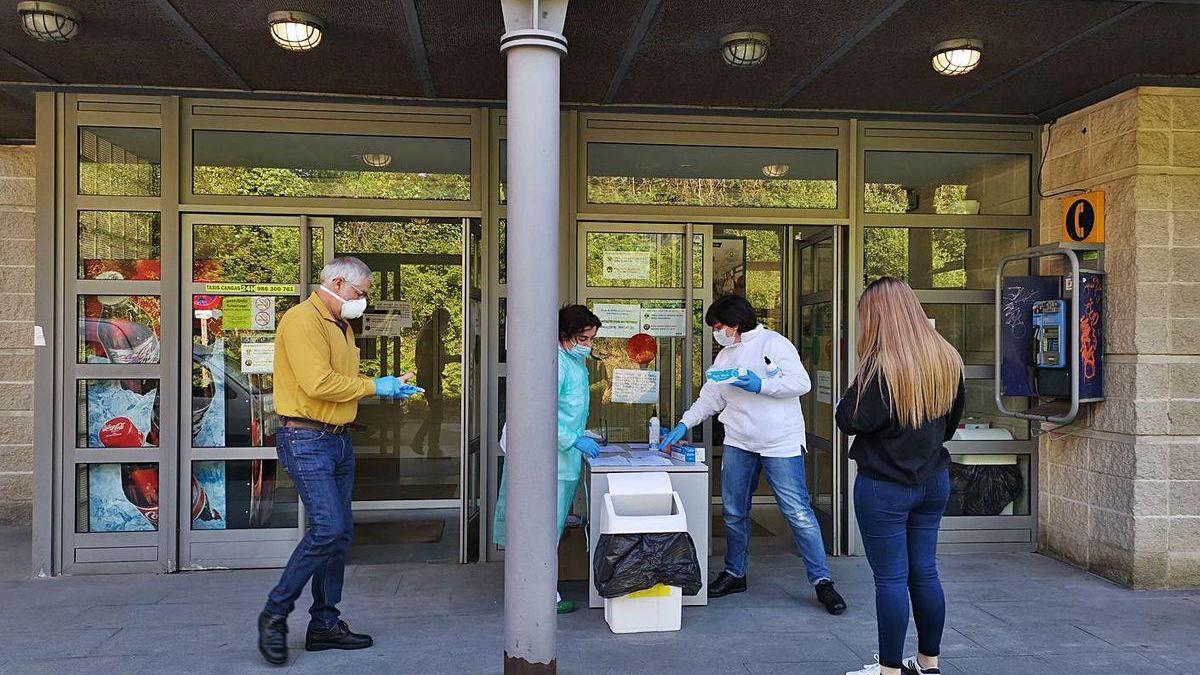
column 574, row 399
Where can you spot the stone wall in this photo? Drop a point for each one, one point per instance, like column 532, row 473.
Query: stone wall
column 16, row 332
column 1120, row 489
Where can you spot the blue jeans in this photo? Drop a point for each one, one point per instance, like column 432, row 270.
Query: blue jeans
column 899, row 525
column 322, row 466
column 739, row 480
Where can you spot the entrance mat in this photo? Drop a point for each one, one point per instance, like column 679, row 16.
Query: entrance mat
column 399, row 532
column 757, row 529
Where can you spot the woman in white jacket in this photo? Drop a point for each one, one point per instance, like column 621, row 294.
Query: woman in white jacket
column 764, row 432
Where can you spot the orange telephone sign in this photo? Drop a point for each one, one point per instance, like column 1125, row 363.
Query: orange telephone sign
column 1083, row 218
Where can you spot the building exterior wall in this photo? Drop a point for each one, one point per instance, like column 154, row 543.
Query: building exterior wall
column 16, row 331
column 1120, row 489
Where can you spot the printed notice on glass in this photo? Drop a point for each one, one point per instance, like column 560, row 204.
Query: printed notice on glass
column 824, row 386
column 376, row 324
column 664, row 322
column 258, row 358
column 262, row 313
column 635, row 386
column 618, row 321
column 235, row 313
column 622, row 265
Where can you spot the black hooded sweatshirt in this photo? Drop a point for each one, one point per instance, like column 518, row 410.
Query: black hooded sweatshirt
column 887, row 450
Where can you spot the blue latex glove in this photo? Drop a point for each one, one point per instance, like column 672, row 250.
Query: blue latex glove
column 388, row 386
column 407, row 390
column 588, row 446
column 750, row 382
column 673, row 436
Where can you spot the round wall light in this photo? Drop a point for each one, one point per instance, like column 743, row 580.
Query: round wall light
column 745, row 50
column 775, row 170
column 295, row 31
column 47, row 21
column 377, row 160
column 956, row 57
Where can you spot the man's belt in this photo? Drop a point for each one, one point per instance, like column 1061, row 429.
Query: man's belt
column 301, row 423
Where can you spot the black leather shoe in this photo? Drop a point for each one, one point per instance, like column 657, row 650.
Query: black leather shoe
column 272, row 638
column 725, row 584
column 338, row 637
column 828, row 596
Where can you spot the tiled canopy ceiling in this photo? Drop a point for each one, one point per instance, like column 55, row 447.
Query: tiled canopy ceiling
column 1041, row 57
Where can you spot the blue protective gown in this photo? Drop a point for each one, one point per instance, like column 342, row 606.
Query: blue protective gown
column 574, row 399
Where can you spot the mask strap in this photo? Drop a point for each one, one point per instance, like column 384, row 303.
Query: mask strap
column 344, row 301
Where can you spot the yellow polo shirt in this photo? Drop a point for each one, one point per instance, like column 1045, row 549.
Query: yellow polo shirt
column 316, row 366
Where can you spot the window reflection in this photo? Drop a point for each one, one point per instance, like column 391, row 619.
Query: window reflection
column 119, row 162
column 935, row 258
column 119, row 329
column 694, row 175
column 119, row 245
column 242, row 495
column 957, row 183
column 246, row 254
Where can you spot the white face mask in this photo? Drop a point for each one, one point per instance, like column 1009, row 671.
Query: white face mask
column 351, row 309
column 723, row 339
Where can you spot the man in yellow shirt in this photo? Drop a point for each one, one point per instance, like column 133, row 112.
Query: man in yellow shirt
column 317, row 389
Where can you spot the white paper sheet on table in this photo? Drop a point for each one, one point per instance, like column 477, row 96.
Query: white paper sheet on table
column 648, row 459
column 609, row 460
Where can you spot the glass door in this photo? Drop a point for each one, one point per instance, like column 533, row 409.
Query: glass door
column 241, row 273
column 416, row 484
column 650, row 291
column 822, row 350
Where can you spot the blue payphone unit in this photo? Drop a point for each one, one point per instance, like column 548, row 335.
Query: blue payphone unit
column 1050, row 334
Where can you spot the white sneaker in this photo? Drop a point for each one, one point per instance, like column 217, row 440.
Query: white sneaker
column 869, row 669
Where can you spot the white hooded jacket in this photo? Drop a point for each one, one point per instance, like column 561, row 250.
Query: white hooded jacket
column 771, row 422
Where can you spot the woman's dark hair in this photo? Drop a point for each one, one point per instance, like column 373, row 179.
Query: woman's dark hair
column 732, row 310
column 574, row 319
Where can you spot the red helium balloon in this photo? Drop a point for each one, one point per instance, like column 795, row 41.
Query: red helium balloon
column 641, row 349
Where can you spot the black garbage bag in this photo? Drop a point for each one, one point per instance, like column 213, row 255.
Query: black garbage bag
column 628, row 563
column 983, row 489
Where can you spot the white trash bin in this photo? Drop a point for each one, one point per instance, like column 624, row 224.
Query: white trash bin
column 639, row 503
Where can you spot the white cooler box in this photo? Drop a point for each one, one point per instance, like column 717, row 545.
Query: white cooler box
column 639, row 503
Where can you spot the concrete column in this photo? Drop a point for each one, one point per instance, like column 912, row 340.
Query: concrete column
column 533, row 46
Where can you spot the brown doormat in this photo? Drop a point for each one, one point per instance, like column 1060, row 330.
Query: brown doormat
column 399, row 532
column 757, row 529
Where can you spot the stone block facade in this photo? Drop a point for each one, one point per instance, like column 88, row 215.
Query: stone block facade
column 16, row 332
column 1120, row 489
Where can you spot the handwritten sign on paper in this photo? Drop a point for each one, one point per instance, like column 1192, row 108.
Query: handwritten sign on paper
column 635, row 386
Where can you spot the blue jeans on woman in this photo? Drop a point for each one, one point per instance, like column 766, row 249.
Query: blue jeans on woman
column 322, row 467
column 899, row 525
column 739, row 480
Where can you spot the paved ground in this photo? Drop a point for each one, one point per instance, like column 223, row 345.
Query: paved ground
column 1008, row 614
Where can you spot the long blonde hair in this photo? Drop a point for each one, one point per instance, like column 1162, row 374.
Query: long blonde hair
column 897, row 344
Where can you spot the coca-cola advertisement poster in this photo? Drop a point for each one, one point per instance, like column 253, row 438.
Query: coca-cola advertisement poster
column 122, row 497
column 122, row 413
column 120, row 328
column 236, row 495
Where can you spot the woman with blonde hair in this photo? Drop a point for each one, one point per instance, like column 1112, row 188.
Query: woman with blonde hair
column 905, row 403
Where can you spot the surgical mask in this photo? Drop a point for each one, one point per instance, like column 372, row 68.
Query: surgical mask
column 351, row 309
column 580, row 352
column 722, row 338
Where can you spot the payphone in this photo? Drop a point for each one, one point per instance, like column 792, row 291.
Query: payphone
column 1049, row 334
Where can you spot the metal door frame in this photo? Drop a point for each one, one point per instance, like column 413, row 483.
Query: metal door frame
column 689, row 231
column 265, row 547
column 832, row 524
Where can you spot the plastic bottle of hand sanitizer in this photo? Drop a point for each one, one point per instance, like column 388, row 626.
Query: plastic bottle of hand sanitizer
column 654, row 429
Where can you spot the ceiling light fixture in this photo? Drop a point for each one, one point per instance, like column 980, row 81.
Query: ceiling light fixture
column 956, row 57
column 295, row 31
column 745, row 50
column 375, row 159
column 775, row 170
column 47, row 21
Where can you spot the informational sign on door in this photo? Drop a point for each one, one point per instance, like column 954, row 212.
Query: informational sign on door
column 235, row 313
column 618, row 321
column 824, row 386
column 664, row 322
column 627, row 265
column 376, row 324
column 262, row 313
column 258, row 358
column 635, row 386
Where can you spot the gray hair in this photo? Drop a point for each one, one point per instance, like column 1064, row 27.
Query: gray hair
column 348, row 268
